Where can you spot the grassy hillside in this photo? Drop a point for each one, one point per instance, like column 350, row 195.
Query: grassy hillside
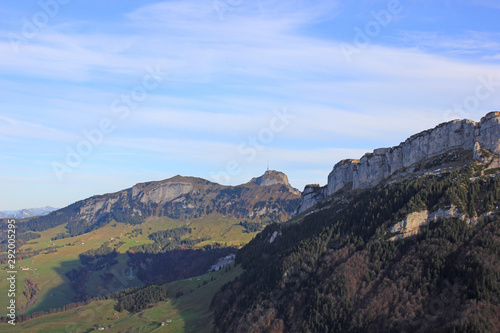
column 48, row 269
column 188, row 308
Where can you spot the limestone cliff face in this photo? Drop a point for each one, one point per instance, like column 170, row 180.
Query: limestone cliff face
column 312, row 195
column 157, row 193
column 482, row 139
column 487, row 145
column 342, row 175
column 162, row 192
column 383, row 162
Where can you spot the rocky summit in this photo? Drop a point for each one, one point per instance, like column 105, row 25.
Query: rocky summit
column 271, row 177
column 449, row 145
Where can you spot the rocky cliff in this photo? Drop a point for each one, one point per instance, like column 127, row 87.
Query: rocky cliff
column 447, row 144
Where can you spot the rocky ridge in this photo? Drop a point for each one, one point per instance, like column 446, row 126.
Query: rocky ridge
column 268, row 198
column 190, row 197
column 453, row 141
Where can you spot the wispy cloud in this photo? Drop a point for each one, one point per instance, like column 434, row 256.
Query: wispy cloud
column 478, row 43
column 16, row 129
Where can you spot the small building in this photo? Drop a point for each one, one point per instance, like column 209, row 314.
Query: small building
column 169, row 320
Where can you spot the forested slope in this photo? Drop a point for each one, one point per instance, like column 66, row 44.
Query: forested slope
column 335, row 270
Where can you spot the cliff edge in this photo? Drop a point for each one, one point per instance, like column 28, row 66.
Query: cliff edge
column 461, row 139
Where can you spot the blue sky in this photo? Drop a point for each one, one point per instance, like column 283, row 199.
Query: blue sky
column 218, row 89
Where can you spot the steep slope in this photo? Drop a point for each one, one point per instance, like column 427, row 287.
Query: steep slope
column 451, row 144
column 267, row 198
column 340, row 269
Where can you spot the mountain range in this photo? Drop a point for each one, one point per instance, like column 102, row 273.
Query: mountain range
column 268, row 198
column 25, row 213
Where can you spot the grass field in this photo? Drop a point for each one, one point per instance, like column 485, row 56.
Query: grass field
column 188, row 313
column 50, row 268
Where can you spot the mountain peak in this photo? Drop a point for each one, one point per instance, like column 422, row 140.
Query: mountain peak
column 271, row 177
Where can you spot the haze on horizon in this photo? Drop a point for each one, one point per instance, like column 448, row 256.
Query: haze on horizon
column 96, row 98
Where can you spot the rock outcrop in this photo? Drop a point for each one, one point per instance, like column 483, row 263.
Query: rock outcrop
column 411, row 224
column 272, row 177
column 482, row 139
column 312, row 195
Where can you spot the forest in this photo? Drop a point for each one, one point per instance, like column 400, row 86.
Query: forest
column 137, row 299
column 337, row 271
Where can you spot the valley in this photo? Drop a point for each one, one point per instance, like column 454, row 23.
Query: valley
column 187, row 309
column 47, row 269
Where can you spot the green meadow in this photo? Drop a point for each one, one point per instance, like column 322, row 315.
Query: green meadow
column 187, row 313
column 47, row 269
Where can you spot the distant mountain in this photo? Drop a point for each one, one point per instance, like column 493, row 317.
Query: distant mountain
column 268, row 198
column 25, row 213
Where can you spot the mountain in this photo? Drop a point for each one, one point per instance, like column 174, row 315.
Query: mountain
column 151, row 233
column 449, row 145
column 406, row 239
column 25, row 213
column 268, row 198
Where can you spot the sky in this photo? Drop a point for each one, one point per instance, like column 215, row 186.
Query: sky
column 96, row 96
